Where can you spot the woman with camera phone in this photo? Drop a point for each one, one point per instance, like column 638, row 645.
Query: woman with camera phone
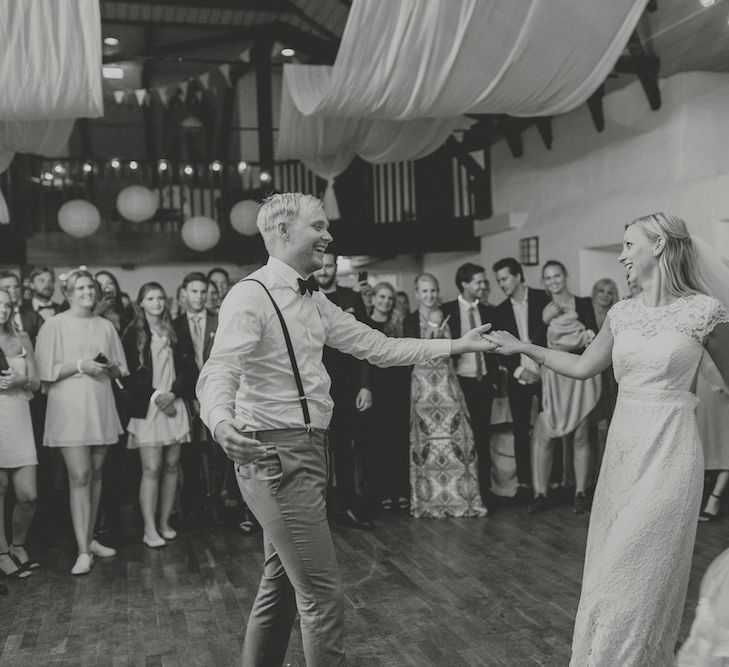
column 79, row 356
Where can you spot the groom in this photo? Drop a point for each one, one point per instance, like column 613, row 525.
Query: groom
column 264, row 394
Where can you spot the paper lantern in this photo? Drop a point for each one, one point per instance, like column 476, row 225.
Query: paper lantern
column 137, row 203
column 79, row 218
column 200, row 233
column 243, row 217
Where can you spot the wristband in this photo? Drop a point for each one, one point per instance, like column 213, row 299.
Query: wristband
column 78, row 367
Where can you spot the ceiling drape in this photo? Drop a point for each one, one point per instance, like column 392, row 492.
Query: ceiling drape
column 50, row 70
column 407, row 71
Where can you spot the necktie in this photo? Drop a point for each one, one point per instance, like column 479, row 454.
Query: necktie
column 309, row 285
column 197, row 340
column 479, row 357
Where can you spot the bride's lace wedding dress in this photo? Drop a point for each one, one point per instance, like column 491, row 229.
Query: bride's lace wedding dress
column 644, row 515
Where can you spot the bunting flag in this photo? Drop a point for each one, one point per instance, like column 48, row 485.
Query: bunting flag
column 276, row 49
column 119, row 96
column 204, row 80
column 164, row 95
column 245, row 56
column 183, row 87
column 141, row 95
column 225, row 71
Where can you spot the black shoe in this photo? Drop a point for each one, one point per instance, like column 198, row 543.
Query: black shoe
column 523, row 494
column 582, row 504
column 539, row 504
column 350, row 518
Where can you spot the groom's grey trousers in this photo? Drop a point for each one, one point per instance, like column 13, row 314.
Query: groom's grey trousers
column 285, row 487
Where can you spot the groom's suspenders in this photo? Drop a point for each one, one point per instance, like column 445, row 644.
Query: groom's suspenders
column 290, row 348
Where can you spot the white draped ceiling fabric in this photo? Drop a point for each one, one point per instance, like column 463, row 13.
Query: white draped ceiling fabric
column 50, row 70
column 407, row 71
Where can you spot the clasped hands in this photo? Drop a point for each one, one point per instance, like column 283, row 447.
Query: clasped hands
column 94, row 368
column 9, row 379
column 165, row 401
column 482, row 339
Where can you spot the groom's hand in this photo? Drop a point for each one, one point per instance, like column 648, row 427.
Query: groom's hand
column 473, row 341
column 237, row 447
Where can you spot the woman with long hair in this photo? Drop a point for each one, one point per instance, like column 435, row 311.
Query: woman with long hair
column 566, row 403
column 604, row 296
column 389, row 417
column 18, row 460
column 648, row 496
column 161, row 378
column 79, row 356
column 443, row 460
column 110, row 303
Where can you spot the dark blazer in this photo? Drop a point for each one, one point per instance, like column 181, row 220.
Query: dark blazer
column 344, row 370
column 139, row 381
column 586, row 312
column 505, row 321
column 452, row 309
column 30, row 320
column 182, row 329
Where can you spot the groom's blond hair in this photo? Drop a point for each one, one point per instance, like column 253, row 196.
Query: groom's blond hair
column 284, row 207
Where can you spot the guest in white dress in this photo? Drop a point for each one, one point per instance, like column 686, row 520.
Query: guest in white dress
column 79, row 356
column 161, row 379
column 643, row 522
column 18, row 460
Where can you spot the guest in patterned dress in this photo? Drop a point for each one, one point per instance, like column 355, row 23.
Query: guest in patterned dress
column 161, row 379
column 443, row 463
column 18, row 461
column 79, row 355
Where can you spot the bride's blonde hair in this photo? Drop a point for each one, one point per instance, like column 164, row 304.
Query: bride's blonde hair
column 678, row 261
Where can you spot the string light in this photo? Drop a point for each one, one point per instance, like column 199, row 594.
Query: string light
column 59, row 169
column 265, row 177
column 111, row 41
column 242, row 166
column 288, row 53
column 47, row 176
column 707, row 3
column 115, row 163
column 87, row 168
column 188, row 170
column 163, row 165
column 216, row 166
column 133, row 165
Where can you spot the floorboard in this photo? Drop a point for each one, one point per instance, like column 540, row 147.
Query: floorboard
column 500, row 591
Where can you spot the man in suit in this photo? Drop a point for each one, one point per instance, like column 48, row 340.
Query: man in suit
column 477, row 372
column 25, row 318
column 521, row 315
column 42, row 285
column 196, row 326
column 350, row 393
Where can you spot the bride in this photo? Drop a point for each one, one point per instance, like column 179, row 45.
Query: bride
column 643, row 523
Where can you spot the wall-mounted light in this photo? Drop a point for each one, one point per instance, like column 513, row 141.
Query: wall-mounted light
column 112, row 72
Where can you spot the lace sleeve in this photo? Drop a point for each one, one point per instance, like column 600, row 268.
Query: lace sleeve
column 716, row 314
column 616, row 316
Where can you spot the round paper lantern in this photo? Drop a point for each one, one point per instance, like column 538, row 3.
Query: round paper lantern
column 243, row 217
column 200, row 233
column 79, row 218
column 137, row 203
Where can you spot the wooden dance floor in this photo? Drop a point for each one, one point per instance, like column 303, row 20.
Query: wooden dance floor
column 496, row 591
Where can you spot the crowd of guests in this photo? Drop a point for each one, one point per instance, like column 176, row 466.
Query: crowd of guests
column 96, row 386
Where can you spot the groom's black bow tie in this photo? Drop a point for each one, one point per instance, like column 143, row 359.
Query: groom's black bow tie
column 309, row 285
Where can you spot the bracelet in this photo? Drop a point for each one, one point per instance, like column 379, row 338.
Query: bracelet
column 78, row 367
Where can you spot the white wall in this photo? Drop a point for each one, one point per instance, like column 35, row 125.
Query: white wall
column 579, row 195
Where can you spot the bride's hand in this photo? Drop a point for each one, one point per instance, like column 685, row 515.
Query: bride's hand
column 504, row 343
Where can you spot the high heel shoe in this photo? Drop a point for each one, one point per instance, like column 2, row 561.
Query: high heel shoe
column 709, row 516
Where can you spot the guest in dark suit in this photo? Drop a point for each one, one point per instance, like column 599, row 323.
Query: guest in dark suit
column 195, row 329
column 351, row 395
column 477, row 372
column 521, row 315
column 43, row 284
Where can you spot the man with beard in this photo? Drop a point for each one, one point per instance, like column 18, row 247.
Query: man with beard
column 350, row 393
column 43, row 284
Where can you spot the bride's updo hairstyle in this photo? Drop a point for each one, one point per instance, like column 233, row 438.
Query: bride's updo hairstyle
column 678, row 262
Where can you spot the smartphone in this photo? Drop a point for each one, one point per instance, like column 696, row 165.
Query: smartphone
column 101, row 358
column 362, row 277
